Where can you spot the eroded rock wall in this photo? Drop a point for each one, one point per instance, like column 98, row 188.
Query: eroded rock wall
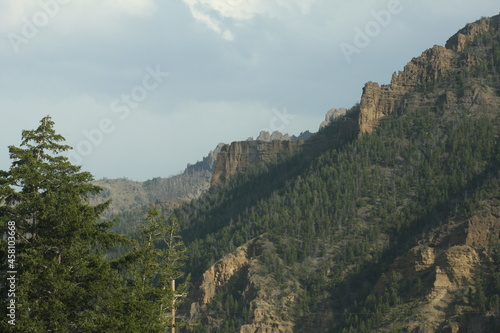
column 242, row 155
column 430, row 80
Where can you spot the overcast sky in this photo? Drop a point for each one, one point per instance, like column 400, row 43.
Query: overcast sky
column 140, row 88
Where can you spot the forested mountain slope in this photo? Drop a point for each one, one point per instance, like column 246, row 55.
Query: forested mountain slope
column 130, row 200
column 386, row 221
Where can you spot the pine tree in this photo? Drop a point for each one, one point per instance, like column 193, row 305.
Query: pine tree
column 149, row 270
column 63, row 281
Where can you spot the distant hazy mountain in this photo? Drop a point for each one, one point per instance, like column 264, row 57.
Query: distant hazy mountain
column 195, row 180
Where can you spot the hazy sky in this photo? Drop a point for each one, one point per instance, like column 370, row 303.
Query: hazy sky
column 140, row 88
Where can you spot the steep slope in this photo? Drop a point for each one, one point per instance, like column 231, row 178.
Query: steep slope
column 455, row 77
column 340, row 225
column 248, row 283
column 394, row 231
column 240, row 156
column 331, row 115
column 126, row 194
column 219, row 165
column 129, row 195
column 446, row 264
column 131, row 199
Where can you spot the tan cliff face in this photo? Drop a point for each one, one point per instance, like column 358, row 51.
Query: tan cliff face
column 459, row 41
column 379, row 101
column 446, row 261
column 267, row 307
column 413, row 87
column 242, row 155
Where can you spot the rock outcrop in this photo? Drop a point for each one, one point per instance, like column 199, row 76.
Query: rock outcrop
column 445, row 262
column 208, row 162
column 197, row 178
column 467, row 34
column 267, row 310
column 427, row 81
column 242, row 155
column 379, row 101
column 434, row 279
column 278, row 136
column 172, row 191
column 332, row 115
column 275, row 136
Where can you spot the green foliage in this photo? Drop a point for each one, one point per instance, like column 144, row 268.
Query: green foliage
column 486, row 296
column 149, row 270
column 484, row 54
column 64, row 282
column 414, row 172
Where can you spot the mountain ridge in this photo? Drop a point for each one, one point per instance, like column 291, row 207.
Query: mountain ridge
column 436, row 64
column 199, row 177
column 386, row 220
column 387, row 230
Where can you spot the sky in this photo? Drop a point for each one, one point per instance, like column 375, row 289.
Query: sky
column 141, row 88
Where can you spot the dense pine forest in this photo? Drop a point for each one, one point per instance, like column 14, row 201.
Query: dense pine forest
column 336, row 217
column 356, row 207
column 58, row 277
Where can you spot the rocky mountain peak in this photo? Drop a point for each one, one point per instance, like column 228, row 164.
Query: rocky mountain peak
column 240, row 156
column 331, row 115
column 432, row 79
column 426, row 69
column 459, row 41
column 208, row 162
column 276, row 135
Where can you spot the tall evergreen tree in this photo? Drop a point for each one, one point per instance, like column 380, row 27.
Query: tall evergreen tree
column 63, row 281
column 149, row 270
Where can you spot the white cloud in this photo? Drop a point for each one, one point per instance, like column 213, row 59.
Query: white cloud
column 12, row 13
column 211, row 22
column 220, row 15
column 285, row 55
